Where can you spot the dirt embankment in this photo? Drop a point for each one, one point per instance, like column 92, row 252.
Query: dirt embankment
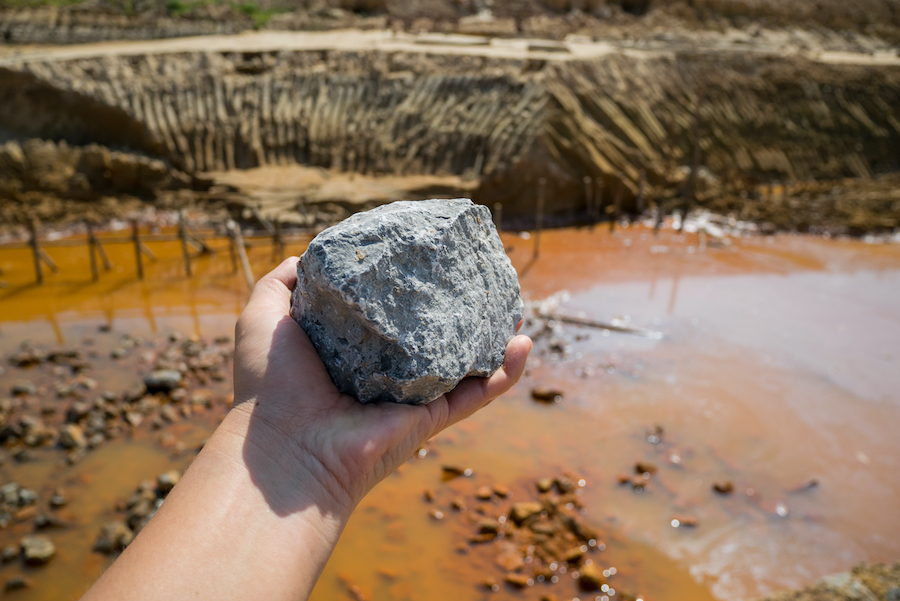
column 605, row 128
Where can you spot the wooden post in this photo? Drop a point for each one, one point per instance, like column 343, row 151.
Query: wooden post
column 691, row 188
column 232, row 250
column 598, row 201
column 588, row 197
column 182, row 235
column 279, row 240
column 136, row 241
column 242, row 252
column 640, row 196
column 36, row 251
column 616, row 207
column 107, row 264
column 498, row 215
column 92, row 250
column 660, row 216
column 539, row 217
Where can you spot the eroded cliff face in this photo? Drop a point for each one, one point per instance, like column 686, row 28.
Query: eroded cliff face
column 587, row 127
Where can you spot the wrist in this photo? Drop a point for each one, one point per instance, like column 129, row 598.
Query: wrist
column 288, row 476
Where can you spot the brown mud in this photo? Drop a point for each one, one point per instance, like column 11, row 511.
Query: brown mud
column 764, row 419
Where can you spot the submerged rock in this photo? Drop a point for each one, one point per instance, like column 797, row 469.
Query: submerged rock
column 37, row 549
column 404, row 301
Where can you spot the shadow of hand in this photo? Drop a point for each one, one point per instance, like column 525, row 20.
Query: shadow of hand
column 309, row 444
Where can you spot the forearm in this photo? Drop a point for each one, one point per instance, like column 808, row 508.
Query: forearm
column 219, row 536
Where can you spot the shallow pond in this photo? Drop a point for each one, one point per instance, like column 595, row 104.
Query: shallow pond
column 779, row 366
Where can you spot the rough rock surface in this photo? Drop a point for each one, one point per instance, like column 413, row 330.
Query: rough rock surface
column 404, row 301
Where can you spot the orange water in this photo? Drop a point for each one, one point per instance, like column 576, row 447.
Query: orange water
column 780, row 363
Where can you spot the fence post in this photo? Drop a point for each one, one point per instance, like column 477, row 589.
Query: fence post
column 241, row 251
column 539, row 216
column 182, row 235
column 498, row 216
column 617, row 204
column 136, row 240
column 36, row 251
column 92, row 250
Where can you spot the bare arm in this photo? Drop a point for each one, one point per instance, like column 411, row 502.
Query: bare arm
column 262, row 506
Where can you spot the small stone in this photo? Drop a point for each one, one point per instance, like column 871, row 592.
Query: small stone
column 113, row 537
column 564, row 485
column 684, row 521
column 544, row 484
column 168, row 413
column 26, row 513
column 428, row 495
column 642, row 468
column 72, row 437
column 523, row 510
column 501, row 490
column 27, row 496
column 484, row 493
column 590, row 578
column 723, row 488
column 37, row 549
column 17, row 582
column 458, row 504
column 162, row 380
column 44, row 521
column 167, row 481
column 518, row 580
column 133, row 418
column 9, row 553
column 489, row 526
column 573, row 555
column 24, row 388
column 58, row 499
column 404, row 301
column 546, row 395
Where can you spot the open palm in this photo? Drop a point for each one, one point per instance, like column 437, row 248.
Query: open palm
column 302, row 427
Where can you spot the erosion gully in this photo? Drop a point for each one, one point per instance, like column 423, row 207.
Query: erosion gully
column 777, row 374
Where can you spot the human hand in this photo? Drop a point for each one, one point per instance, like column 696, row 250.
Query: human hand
column 306, row 442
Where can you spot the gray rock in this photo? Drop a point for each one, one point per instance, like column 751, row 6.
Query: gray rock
column 72, row 437
column 404, row 301
column 24, row 388
column 162, row 380
column 37, row 549
column 113, row 537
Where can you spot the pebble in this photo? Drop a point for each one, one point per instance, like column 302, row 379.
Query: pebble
column 484, row 493
column 17, row 582
column 162, row 380
column 546, row 395
column 37, row 549
column 167, row 481
column 24, row 388
column 523, row 510
column 723, row 488
column 113, row 537
column 9, row 553
column 72, row 437
column 591, row 578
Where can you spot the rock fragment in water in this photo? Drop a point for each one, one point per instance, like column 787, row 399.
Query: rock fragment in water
column 162, row 380
column 37, row 549
column 404, row 301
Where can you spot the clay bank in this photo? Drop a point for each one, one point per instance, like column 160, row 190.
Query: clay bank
column 740, row 123
column 743, row 452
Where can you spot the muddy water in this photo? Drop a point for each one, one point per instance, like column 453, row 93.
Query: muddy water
column 779, row 365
